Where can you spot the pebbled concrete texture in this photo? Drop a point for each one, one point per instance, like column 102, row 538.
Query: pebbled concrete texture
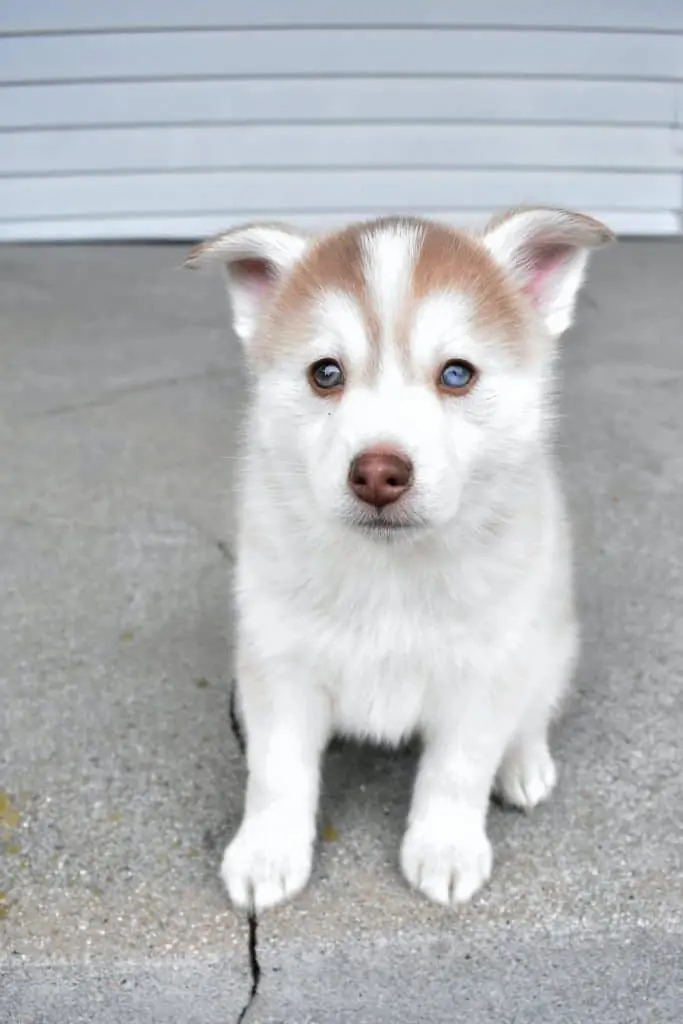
column 120, row 779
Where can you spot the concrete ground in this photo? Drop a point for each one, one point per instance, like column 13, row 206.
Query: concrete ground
column 120, row 779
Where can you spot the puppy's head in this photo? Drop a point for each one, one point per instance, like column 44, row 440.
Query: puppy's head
column 401, row 366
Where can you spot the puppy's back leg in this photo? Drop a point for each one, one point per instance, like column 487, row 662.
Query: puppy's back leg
column 527, row 774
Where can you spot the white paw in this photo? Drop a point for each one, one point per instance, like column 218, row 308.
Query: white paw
column 527, row 777
column 446, row 861
column 268, row 861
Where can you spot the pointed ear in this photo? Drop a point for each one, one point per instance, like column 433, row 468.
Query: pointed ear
column 254, row 259
column 545, row 252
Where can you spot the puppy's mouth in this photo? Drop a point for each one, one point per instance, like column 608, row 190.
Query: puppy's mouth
column 381, row 525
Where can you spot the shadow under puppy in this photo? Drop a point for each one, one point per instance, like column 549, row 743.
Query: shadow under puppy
column 403, row 554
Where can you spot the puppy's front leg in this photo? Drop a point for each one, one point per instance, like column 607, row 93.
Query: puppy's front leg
column 287, row 727
column 445, row 852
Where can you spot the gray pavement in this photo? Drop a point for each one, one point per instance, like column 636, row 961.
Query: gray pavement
column 120, row 779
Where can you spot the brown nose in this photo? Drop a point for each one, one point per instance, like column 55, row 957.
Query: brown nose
column 380, row 476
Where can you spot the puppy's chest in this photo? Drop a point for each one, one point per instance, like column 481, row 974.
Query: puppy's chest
column 387, row 662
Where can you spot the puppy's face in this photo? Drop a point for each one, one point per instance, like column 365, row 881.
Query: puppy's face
column 401, row 364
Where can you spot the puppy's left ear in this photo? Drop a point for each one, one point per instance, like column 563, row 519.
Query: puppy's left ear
column 545, row 252
column 254, row 259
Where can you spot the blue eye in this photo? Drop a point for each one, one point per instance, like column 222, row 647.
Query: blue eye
column 326, row 375
column 457, row 376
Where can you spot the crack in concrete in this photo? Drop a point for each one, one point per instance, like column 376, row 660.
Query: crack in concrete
column 254, row 968
column 124, row 391
column 235, row 723
column 252, row 919
column 224, row 549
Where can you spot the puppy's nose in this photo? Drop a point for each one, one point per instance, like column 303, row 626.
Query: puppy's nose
column 379, row 476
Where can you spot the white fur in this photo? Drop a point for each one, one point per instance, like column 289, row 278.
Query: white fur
column 461, row 629
column 388, row 264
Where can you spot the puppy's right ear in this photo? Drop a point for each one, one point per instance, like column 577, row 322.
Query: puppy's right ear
column 254, row 259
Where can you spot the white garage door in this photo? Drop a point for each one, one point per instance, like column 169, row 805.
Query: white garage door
column 169, row 119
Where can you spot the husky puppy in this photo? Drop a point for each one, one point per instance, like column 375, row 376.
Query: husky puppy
column 403, row 553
